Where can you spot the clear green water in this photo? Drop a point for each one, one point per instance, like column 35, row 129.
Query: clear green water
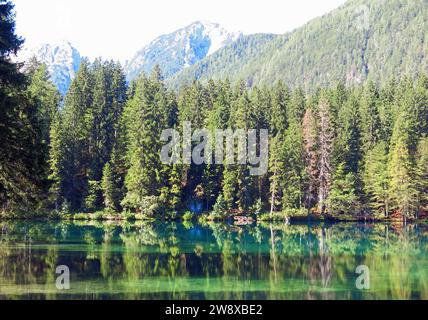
column 216, row 261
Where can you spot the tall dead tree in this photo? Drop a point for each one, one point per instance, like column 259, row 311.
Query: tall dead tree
column 311, row 158
column 325, row 138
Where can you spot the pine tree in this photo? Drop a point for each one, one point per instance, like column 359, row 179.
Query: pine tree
column 220, row 207
column 194, row 104
column 9, row 46
column 376, row 178
column 22, row 162
column 370, row 120
column 243, row 119
column 422, row 98
column 217, row 119
column 311, row 156
column 297, row 107
column 45, row 98
column 108, row 188
column 77, row 123
column 337, row 98
column 278, row 125
column 91, row 201
column 142, row 114
column 401, row 170
column 422, row 173
column 229, row 186
column 56, row 158
column 388, row 110
column 210, row 182
column 276, row 168
column 175, row 187
column 43, row 94
column 342, row 198
column 326, row 140
column 293, row 171
column 279, row 110
column 348, row 143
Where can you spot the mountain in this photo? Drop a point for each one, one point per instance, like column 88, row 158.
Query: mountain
column 61, row 58
column 180, row 49
column 361, row 40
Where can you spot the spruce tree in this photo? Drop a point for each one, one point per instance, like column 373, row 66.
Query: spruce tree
column 402, row 187
column 77, row 123
column 422, row 174
column 342, row 198
column 370, row 119
column 243, row 119
column 43, row 94
column 144, row 178
column 277, row 169
column 108, row 188
column 22, row 162
column 293, row 177
column 45, row 98
column 326, row 140
column 348, row 143
column 376, row 178
column 56, row 158
column 311, row 158
column 9, row 46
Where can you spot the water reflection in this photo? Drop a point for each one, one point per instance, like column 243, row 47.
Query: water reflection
column 214, row 261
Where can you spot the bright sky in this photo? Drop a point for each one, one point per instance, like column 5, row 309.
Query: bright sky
column 117, row 29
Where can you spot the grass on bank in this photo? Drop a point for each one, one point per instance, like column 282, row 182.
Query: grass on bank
column 206, row 217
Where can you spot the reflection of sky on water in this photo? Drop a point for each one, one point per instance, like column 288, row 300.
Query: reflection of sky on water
column 196, row 206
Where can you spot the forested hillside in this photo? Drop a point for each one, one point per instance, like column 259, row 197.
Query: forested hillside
column 362, row 40
column 339, row 150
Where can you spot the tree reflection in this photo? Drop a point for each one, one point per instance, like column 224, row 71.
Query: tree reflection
column 214, row 261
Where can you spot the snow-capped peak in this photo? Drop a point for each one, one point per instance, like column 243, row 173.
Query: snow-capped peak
column 61, row 58
column 219, row 36
column 181, row 48
column 173, row 52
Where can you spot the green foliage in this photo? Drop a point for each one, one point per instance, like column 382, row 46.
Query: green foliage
column 342, row 198
column 422, row 172
column 23, row 151
column 276, row 216
column 9, row 46
column 319, row 144
column 376, row 178
column 108, row 188
column 146, row 115
column 220, row 207
column 334, row 47
column 56, row 154
column 292, row 180
column 94, row 194
column 402, row 186
column 188, row 216
column 149, row 206
column 257, row 208
column 339, row 148
column 90, row 122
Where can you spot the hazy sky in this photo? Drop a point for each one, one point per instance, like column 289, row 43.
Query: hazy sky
column 117, row 29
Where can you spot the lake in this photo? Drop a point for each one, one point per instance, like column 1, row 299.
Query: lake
column 166, row 260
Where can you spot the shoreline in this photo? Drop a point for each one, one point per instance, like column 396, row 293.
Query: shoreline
column 204, row 218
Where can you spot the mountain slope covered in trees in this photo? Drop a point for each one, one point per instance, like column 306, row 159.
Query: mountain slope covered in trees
column 362, row 40
column 358, row 151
